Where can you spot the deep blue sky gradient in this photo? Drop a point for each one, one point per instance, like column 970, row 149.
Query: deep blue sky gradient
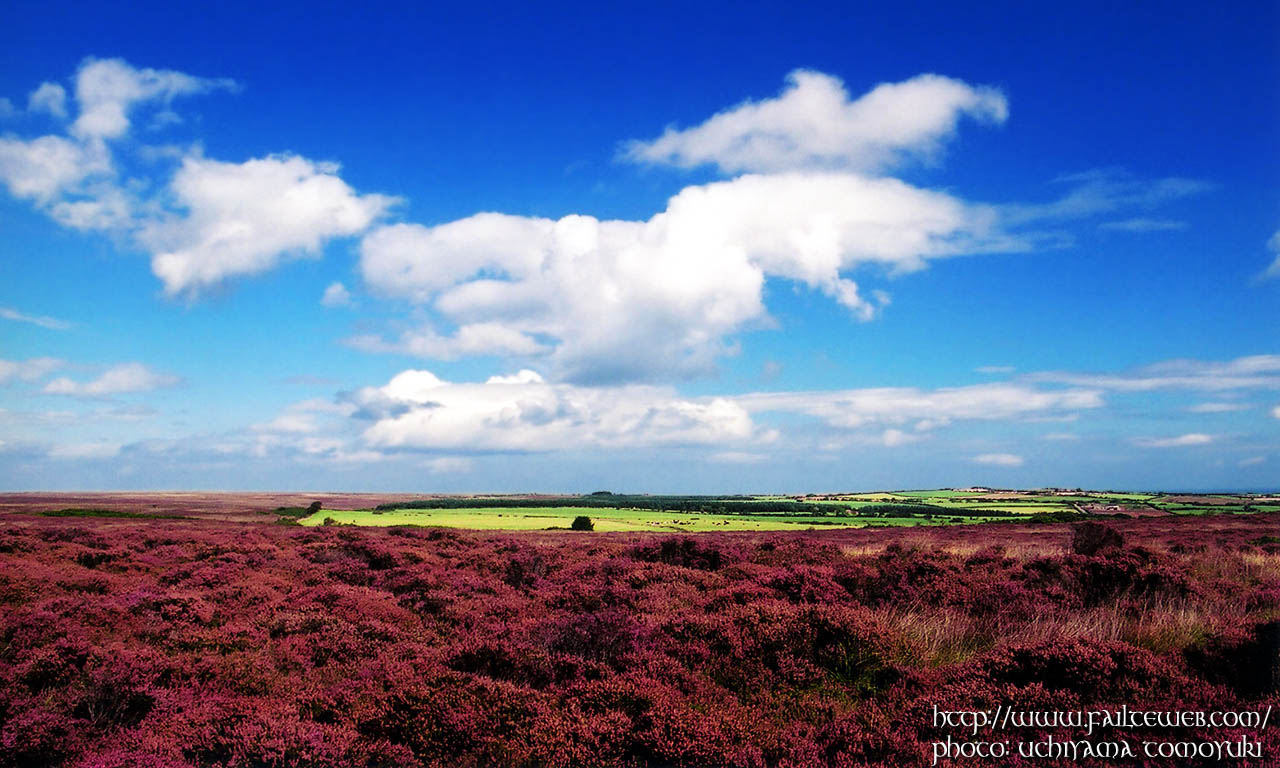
column 521, row 108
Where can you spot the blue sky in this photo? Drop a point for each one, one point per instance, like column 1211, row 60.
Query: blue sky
column 639, row 247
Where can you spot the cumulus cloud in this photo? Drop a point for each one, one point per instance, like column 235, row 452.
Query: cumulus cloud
column 670, row 289
column 214, row 220
column 43, row 170
column 117, row 380
column 1276, row 411
column 51, row 323
column 417, row 410
column 244, row 218
column 50, row 98
column 930, row 408
column 999, row 459
column 1181, row 441
column 1253, row 371
column 108, row 89
column 336, row 295
column 28, row 370
column 814, row 124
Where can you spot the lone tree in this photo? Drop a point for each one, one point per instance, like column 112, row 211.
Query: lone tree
column 314, row 508
column 582, row 523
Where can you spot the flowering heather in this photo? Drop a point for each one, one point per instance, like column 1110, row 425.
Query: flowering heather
column 200, row 642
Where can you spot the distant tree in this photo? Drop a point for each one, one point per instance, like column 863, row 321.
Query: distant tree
column 314, row 508
column 582, row 523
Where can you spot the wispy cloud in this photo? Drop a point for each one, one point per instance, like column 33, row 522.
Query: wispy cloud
column 1143, row 225
column 999, row 459
column 117, row 380
column 1219, row 407
column 739, row 457
column 52, row 323
column 98, row 450
column 28, row 370
column 1254, row 371
column 1273, row 245
column 1181, row 441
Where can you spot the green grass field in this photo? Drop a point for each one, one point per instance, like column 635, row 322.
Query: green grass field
column 604, row 520
column 847, row 511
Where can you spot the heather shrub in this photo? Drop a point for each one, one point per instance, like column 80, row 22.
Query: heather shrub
column 683, row 551
column 1090, row 538
column 206, row 644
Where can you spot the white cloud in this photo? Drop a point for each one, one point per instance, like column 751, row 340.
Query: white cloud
column 896, row 405
column 999, row 459
column 1193, row 438
column 448, row 465
column 1254, row 371
column 1143, row 225
column 469, row 340
column 6, row 108
column 814, row 124
column 1106, row 190
column 107, row 89
column 44, row 169
column 1252, row 461
column 895, row 437
column 995, row 369
column 1273, row 245
column 1276, row 411
column 28, row 370
column 1062, row 437
column 243, row 218
column 670, row 289
column 117, row 380
column 1218, row 407
column 336, row 295
column 214, row 220
column 50, row 98
column 99, row 450
column 52, row 323
column 738, row 457
column 300, row 418
column 524, row 413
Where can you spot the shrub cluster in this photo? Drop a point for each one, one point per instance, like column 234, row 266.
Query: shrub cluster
column 190, row 643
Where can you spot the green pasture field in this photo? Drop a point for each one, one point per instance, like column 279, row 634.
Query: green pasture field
column 631, row 519
column 542, row 518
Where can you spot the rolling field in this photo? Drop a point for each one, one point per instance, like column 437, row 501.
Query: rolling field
column 692, row 514
column 545, row 518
